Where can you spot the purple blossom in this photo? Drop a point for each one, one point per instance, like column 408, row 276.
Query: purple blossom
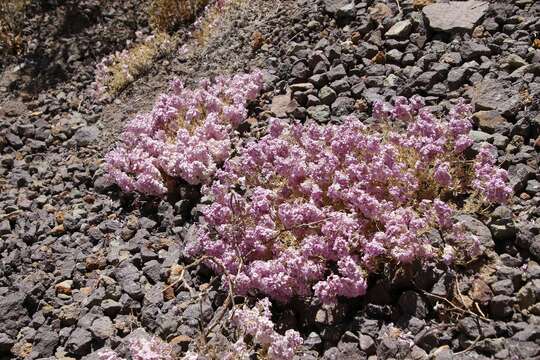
column 186, row 135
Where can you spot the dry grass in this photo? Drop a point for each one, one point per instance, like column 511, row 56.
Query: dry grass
column 11, row 22
column 168, row 15
column 129, row 65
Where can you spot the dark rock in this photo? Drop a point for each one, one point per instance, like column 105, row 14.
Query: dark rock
column 45, row 341
column 411, row 303
column 500, row 307
column 300, row 71
column 503, row 287
column 336, row 72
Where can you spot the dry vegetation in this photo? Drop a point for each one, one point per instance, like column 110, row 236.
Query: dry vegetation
column 168, row 15
column 11, row 21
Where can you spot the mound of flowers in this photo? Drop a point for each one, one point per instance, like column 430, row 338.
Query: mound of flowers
column 185, row 136
column 317, row 209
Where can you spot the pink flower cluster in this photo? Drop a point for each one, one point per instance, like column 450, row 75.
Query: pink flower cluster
column 256, row 322
column 142, row 349
column 186, row 135
column 316, row 209
column 491, row 181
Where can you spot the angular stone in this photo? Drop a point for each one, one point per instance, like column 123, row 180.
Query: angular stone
column 86, row 135
column 495, row 95
column 283, row 105
column 327, row 95
column 332, row 6
column 471, row 50
column 102, row 328
column 337, row 72
column 343, row 106
column 300, row 71
column 476, row 227
column 455, row 15
column 401, row 29
column 480, row 292
column 319, row 113
column 489, row 120
column 79, row 342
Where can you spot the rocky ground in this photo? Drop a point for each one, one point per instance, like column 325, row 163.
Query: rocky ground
column 82, row 264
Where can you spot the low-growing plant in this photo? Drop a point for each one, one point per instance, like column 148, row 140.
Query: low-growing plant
column 168, row 15
column 11, row 22
column 142, row 349
column 255, row 335
column 115, row 72
column 186, row 135
column 312, row 208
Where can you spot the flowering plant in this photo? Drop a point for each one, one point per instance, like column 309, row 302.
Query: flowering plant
column 185, row 136
column 256, row 322
column 311, row 208
column 142, row 349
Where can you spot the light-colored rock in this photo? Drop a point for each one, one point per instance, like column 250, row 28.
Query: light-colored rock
column 455, row 15
column 400, row 29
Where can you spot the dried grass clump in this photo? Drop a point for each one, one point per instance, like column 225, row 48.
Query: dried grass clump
column 11, row 22
column 168, row 15
column 117, row 71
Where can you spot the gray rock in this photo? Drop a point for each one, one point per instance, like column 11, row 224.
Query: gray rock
column 455, row 15
column 535, row 248
column 45, row 341
column 86, row 135
column 519, row 175
column 336, row 72
column 367, row 344
column 79, row 342
column 496, row 95
column 401, row 29
column 6, row 342
column 529, row 294
column 332, row 6
column 345, row 12
column 394, row 56
column 5, row 228
column 313, row 341
column 442, row 353
column 300, row 71
column 343, row 106
column 503, row 287
column 13, row 315
column 477, row 228
column 533, row 186
column 327, row 95
column 111, row 307
column 471, row 50
column 456, row 77
column 102, row 328
column 14, row 140
column 319, row 113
